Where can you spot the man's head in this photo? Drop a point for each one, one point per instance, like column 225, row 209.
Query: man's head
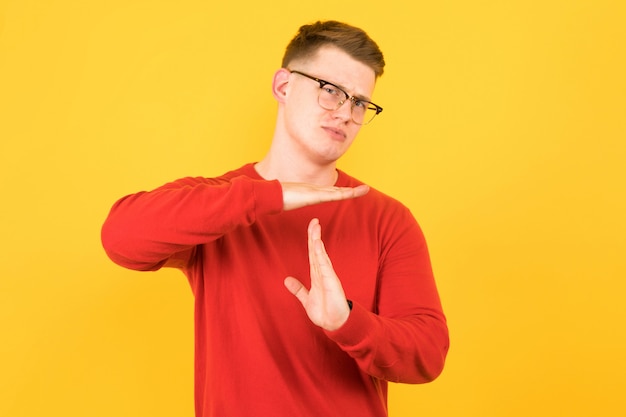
column 351, row 40
column 323, row 58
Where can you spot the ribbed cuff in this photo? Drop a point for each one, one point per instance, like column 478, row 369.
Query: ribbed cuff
column 268, row 196
column 355, row 330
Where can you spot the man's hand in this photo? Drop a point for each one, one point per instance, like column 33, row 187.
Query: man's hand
column 325, row 303
column 296, row 195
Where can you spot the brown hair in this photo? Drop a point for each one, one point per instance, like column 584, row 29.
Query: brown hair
column 352, row 40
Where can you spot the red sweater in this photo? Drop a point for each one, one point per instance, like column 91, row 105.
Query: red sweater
column 257, row 353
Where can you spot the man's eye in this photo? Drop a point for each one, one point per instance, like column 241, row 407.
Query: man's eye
column 360, row 104
column 331, row 90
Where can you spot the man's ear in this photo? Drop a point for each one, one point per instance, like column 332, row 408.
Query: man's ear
column 280, row 83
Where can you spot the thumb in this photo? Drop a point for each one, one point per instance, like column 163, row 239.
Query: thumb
column 296, row 288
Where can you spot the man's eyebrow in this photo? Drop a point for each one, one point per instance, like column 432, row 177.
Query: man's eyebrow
column 362, row 98
column 345, row 90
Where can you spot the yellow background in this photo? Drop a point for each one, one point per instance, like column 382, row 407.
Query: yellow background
column 504, row 131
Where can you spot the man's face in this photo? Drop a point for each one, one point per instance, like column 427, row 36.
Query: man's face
column 325, row 135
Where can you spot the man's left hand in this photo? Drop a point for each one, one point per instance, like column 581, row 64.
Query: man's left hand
column 325, row 302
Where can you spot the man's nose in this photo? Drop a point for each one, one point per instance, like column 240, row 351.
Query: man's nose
column 344, row 111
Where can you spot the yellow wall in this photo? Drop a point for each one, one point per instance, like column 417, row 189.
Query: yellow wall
column 504, row 131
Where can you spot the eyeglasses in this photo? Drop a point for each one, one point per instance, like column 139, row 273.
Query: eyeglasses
column 332, row 97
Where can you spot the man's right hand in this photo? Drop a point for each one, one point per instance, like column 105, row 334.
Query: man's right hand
column 296, row 195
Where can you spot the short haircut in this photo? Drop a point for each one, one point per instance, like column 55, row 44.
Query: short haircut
column 352, row 40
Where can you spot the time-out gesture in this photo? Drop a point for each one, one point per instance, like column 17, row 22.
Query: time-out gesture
column 325, row 302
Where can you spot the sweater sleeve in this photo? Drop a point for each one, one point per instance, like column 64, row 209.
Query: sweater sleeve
column 149, row 230
column 406, row 339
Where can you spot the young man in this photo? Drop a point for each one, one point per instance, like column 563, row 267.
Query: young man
column 280, row 330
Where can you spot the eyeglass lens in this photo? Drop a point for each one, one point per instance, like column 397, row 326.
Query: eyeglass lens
column 332, row 98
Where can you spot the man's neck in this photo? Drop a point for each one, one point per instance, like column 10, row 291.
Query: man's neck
column 287, row 169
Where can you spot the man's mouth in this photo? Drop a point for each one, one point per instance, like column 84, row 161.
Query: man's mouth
column 335, row 133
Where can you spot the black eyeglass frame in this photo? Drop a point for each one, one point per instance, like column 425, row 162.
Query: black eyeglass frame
column 352, row 99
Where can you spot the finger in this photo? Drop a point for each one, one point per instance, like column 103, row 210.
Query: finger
column 316, row 244
column 327, row 279
column 323, row 260
column 297, row 288
column 345, row 193
column 361, row 190
column 314, row 235
column 296, row 195
column 314, row 230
